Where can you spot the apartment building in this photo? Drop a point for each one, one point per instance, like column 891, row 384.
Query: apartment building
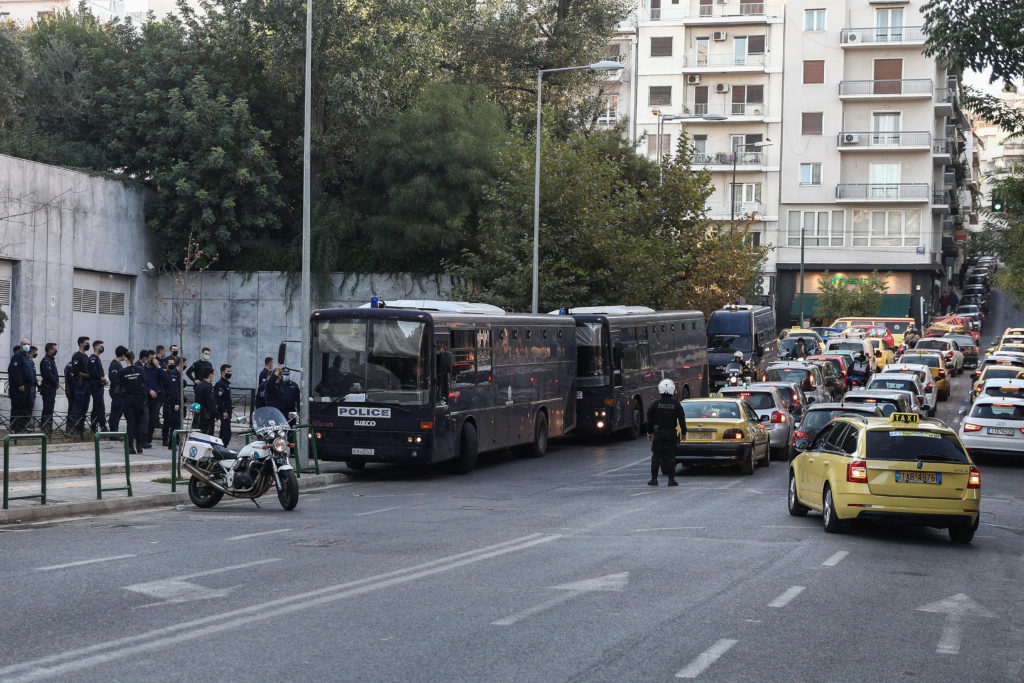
column 999, row 150
column 714, row 68
column 616, row 90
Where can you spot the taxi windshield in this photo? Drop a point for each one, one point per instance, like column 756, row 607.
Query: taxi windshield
column 911, row 444
column 925, row 359
column 1001, row 373
column 940, row 344
column 711, row 409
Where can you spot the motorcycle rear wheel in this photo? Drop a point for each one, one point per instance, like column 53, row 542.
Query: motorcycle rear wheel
column 201, row 495
column 288, row 494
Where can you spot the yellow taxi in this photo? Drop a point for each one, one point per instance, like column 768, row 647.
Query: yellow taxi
column 723, row 430
column 897, row 469
column 936, row 363
column 1007, row 371
column 1008, row 344
column 883, row 354
column 1012, row 332
column 811, row 338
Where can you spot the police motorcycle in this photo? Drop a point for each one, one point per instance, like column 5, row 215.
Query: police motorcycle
column 736, row 372
column 248, row 473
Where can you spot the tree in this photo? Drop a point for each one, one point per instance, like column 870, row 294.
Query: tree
column 1003, row 233
column 839, row 298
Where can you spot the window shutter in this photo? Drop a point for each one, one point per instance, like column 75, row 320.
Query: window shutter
column 659, row 94
column 5, row 292
column 755, row 45
column 811, row 123
column 661, row 47
column 755, row 94
column 814, row 71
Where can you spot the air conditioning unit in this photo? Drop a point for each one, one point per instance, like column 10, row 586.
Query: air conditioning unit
column 719, row 35
column 723, row 2
column 851, row 139
column 693, row 79
column 852, row 37
column 722, row 87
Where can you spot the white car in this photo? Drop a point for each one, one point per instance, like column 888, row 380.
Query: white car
column 903, row 381
column 924, row 374
column 950, row 351
column 1002, row 388
column 995, row 424
column 852, row 344
column 771, row 409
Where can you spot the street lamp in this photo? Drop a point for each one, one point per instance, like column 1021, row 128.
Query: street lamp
column 305, row 285
column 606, row 65
column 801, row 276
column 676, row 117
column 735, row 158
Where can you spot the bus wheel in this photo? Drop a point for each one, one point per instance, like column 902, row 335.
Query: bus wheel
column 539, row 447
column 466, row 460
column 638, row 420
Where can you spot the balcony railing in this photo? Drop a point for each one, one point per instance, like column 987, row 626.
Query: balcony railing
column 889, row 87
column 885, row 139
column 943, row 95
column 1013, row 148
column 944, row 198
column 719, row 10
column 739, row 208
column 727, row 158
column 873, row 36
column 882, row 191
column 724, row 59
column 942, row 147
column 728, row 109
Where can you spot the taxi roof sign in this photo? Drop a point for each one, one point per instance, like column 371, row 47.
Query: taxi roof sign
column 716, row 395
column 905, row 418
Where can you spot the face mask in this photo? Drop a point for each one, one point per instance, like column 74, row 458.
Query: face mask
column 124, row 364
column 227, row 375
column 286, row 378
column 98, row 350
column 174, row 352
column 25, row 347
column 85, row 347
column 206, row 356
column 169, row 368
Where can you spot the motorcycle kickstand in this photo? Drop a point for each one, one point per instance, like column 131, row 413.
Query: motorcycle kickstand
column 256, row 502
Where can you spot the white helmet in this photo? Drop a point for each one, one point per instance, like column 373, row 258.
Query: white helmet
column 738, row 356
column 666, row 386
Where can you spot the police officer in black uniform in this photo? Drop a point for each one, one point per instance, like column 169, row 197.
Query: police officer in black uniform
column 97, row 380
column 200, row 368
column 80, row 392
column 662, row 417
column 282, row 392
column 222, row 391
column 114, row 378
column 133, row 395
column 48, row 385
column 207, row 401
column 172, row 383
column 21, row 387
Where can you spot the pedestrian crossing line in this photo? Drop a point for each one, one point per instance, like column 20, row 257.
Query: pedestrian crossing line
column 706, row 659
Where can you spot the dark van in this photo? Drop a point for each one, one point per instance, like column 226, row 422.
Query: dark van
column 750, row 329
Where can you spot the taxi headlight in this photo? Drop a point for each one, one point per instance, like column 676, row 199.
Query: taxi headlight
column 280, row 445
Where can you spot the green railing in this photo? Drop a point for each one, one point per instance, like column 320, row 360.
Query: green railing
column 315, row 468
column 7, row 462
column 123, row 438
column 175, row 460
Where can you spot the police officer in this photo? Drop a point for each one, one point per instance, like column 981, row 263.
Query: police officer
column 114, row 378
column 282, row 392
column 207, row 401
column 662, row 417
column 261, row 382
column 80, row 392
column 911, row 336
column 201, row 367
column 861, row 367
column 48, row 385
column 97, row 379
column 154, row 396
column 142, row 426
column 21, row 387
column 222, row 392
column 172, row 396
column 133, row 394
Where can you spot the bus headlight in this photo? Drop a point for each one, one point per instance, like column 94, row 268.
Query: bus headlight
column 280, row 445
column 416, row 439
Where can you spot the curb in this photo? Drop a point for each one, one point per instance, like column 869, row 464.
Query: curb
column 86, row 471
column 105, row 507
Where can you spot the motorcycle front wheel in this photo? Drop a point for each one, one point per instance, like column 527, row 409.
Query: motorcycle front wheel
column 203, row 496
column 288, row 494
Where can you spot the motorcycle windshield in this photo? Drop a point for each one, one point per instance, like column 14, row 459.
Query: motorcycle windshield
column 734, row 367
column 268, row 417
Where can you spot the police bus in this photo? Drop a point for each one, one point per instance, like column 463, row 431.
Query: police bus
column 435, row 381
column 622, row 352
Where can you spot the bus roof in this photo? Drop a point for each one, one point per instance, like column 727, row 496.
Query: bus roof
column 443, row 306
column 603, row 310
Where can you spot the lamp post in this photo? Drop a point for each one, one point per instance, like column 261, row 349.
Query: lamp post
column 801, row 276
column 732, row 195
column 305, row 287
column 606, row 65
column 675, row 117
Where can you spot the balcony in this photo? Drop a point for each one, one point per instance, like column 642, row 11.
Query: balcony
column 895, row 88
column 883, row 192
column 942, row 151
column 726, row 159
column 725, row 62
column 941, row 202
column 1013, row 149
column 854, row 141
column 745, row 111
column 723, row 211
column 944, row 102
column 894, row 36
column 719, row 13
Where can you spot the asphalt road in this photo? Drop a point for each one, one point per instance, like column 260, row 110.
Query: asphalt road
column 567, row 568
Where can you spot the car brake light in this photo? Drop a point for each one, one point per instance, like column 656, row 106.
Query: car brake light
column 778, row 417
column 812, row 381
column 733, row 434
column 942, row 373
column 974, row 478
column 744, row 394
column 857, row 472
column 799, row 435
column 971, row 427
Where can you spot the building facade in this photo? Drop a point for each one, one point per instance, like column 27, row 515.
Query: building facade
column 999, row 150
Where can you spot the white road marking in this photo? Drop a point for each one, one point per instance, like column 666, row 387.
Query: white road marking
column 221, row 570
column 642, row 493
column 784, row 526
column 706, row 659
column 64, row 663
column 632, row 464
column 835, row 559
column 729, row 484
column 529, row 612
column 956, row 608
column 611, row 582
column 373, row 512
column 261, row 533
column 670, row 528
column 787, row 597
column 81, row 562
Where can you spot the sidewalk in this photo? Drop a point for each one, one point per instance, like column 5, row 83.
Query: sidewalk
column 71, row 481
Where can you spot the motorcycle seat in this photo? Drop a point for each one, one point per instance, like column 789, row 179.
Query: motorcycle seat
column 222, row 453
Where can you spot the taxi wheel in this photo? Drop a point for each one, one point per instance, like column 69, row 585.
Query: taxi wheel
column 963, row 533
column 747, row 465
column 828, row 512
column 796, row 508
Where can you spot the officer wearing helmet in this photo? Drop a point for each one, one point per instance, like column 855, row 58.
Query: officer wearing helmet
column 861, row 368
column 911, row 336
column 662, row 418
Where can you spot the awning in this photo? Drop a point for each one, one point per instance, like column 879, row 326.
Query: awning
column 893, row 306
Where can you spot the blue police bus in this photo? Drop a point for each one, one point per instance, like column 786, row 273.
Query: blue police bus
column 437, row 381
column 622, row 352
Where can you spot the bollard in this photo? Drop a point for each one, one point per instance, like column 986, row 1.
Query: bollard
column 7, row 457
column 123, row 436
column 175, row 461
column 315, row 469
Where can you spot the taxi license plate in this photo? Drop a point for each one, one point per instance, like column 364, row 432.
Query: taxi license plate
column 699, row 436
column 362, row 451
column 919, row 477
column 1000, row 431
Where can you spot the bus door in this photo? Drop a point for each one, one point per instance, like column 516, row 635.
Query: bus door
column 444, row 428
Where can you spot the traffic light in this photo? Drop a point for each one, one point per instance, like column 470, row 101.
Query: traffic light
column 997, row 203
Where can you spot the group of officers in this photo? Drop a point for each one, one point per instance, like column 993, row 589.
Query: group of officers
column 145, row 390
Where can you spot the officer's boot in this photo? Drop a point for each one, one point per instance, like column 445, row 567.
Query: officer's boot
column 654, row 476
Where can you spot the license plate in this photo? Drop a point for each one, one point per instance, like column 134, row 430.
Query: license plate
column 1000, row 431
column 579, row 395
column 919, row 477
column 362, row 451
column 699, row 436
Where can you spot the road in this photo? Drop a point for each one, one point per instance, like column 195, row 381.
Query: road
column 567, row 568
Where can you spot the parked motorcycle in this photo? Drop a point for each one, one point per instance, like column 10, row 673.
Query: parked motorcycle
column 248, row 473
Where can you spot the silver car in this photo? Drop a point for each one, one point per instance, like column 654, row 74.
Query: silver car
column 994, row 424
column 901, row 381
column 771, row 410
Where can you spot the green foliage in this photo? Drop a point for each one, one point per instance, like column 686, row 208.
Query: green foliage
column 838, row 299
column 1002, row 234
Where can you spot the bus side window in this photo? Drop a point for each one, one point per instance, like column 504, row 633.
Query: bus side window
column 463, row 357
column 483, row 357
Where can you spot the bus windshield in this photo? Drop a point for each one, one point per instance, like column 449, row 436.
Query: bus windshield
column 729, row 332
column 591, row 362
column 370, row 361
